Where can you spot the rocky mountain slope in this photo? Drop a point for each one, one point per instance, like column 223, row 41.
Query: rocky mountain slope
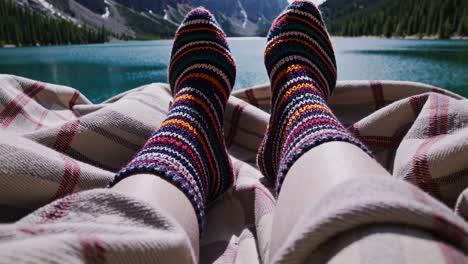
column 150, row 19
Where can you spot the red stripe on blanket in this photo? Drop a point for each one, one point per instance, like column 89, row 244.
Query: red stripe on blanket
column 72, row 171
column 442, row 225
column 376, row 141
column 73, row 100
column 438, row 124
column 236, row 114
column 421, row 169
column 65, row 136
column 443, row 129
column 377, row 92
column 93, row 249
column 417, row 104
column 32, row 231
column 8, row 108
column 65, row 178
column 251, row 97
column 59, row 209
column 379, row 141
column 16, row 106
column 30, row 118
column 70, row 178
column 386, row 142
column 41, row 119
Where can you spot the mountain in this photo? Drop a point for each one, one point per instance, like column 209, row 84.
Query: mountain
column 152, row 19
column 397, row 18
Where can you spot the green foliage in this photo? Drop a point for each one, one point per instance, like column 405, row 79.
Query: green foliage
column 397, row 18
column 177, row 13
column 263, row 26
column 226, row 24
column 147, row 26
column 23, row 27
column 463, row 25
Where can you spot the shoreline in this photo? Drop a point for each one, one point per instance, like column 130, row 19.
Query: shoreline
column 414, row 37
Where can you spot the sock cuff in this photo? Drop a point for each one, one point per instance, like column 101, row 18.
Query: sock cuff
column 191, row 190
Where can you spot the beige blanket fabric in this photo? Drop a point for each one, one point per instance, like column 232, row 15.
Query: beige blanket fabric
column 54, row 142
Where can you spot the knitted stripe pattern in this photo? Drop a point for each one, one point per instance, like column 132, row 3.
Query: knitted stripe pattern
column 301, row 64
column 189, row 150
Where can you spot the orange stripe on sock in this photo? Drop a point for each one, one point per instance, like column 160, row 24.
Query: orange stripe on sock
column 204, row 106
column 276, row 43
column 293, row 90
column 200, row 140
column 215, row 82
column 296, row 67
column 298, row 113
column 307, row 108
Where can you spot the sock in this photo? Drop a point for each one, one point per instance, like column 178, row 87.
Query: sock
column 301, row 64
column 188, row 150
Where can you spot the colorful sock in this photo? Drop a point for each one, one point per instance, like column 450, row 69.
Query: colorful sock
column 301, row 64
column 189, row 150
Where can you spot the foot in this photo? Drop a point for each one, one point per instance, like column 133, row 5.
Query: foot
column 189, row 150
column 301, row 64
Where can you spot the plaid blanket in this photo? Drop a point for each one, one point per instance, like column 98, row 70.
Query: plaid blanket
column 55, row 142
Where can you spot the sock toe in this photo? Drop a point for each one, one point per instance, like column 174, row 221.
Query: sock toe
column 299, row 37
column 305, row 5
column 199, row 13
column 200, row 43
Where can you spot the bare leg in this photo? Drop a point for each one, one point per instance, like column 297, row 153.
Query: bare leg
column 313, row 175
column 164, row 196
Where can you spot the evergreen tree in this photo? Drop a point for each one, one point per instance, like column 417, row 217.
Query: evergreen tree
column 24, row 27
column 443, row 18
column 463, row 25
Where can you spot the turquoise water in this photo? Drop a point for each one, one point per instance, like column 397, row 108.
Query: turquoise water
column 101, row 71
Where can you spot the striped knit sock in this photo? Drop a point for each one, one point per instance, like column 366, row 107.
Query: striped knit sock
column 301, row 64
column 189, row 150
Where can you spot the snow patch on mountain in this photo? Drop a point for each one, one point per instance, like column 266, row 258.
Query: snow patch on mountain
column 167, row 18
column 107, row 10
column 245, row 17
column 106, row 14
column 47, row 8
column 46, row 5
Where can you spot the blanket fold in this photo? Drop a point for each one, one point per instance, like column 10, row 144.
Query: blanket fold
column 55, row 142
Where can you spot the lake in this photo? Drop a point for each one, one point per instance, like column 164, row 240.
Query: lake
column 101, row 71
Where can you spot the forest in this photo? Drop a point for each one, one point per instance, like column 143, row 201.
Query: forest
column 386, row 18
column 24, row 27
column 397, row 18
